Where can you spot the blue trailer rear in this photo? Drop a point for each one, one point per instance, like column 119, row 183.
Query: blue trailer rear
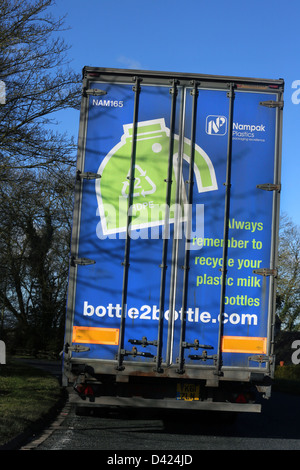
column 172, row 280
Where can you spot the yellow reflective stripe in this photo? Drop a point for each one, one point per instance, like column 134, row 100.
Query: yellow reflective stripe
column 90, row 335
column 244, row 344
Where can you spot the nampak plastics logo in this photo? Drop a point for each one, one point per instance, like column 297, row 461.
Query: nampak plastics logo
column 151, row 168
column 216, row 125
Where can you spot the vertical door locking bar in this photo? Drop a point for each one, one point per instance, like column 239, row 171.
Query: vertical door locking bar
column 166, row 226
column 231, row 96
column 120, row 354
column 186, row 266
column 177, row 228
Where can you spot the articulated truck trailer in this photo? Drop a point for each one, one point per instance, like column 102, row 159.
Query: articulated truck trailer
column 173, row 262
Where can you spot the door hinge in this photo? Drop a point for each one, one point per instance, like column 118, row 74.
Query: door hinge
column 265, row 272
column 93, row 92
column 81, row 261
column 272, row 104
column 269, row 187
column 77, row 348
column 261, row 359
column 88, row 175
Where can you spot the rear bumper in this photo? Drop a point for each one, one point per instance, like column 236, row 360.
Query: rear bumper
column 170, row 404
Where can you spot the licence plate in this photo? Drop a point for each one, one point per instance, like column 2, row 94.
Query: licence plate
column 188, row 392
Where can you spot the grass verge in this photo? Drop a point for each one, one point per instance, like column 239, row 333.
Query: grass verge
column 287, row 379
column 27, row 398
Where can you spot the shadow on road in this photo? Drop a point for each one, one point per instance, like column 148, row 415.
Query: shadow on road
column 279, row 419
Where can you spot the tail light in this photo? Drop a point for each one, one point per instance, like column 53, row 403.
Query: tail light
column 84, row 390
column 241, row 398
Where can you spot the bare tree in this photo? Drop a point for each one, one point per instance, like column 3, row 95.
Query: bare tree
column 39, row 82
column 37, row 165
column 288, row 292
column 34, row 254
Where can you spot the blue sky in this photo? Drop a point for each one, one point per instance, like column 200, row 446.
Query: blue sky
column 257, row 39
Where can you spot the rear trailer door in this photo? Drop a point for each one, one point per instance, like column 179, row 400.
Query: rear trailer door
column 173, row 255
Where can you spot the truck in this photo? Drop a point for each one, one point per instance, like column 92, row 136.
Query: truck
column 173, row 259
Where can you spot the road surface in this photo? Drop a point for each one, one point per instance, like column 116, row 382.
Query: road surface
column 276, row 428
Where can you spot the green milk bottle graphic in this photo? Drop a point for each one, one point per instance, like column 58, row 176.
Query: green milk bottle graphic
column 151, row 168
